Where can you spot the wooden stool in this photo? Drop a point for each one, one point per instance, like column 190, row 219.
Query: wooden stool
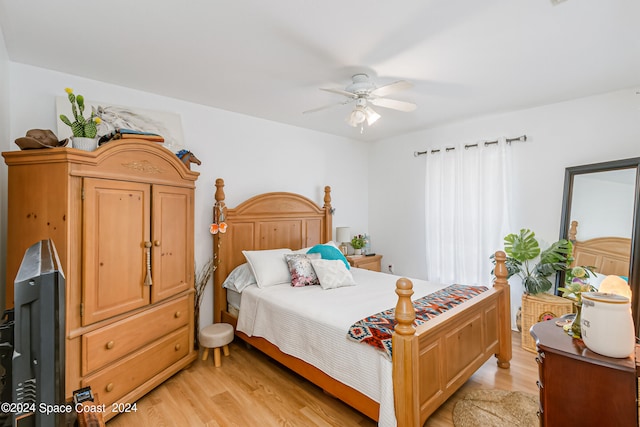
column 216, row 336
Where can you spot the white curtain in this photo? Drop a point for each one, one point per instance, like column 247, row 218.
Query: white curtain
column 467, row 204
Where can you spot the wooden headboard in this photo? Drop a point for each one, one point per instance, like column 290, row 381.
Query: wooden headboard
column 266, row 221
column 609, row 255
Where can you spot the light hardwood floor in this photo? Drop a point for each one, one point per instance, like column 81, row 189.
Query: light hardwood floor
column 249, row 389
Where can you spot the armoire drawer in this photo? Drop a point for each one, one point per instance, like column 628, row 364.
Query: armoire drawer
column 108, row 344
column 125, row 375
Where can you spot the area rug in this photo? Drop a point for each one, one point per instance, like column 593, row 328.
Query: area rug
column 496, row 408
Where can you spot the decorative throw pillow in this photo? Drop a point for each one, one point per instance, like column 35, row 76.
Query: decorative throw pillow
column 329, row 252
column 332, row 273
column 302, row 272
column 305, row 250
column 240, row 278
column 269, row 267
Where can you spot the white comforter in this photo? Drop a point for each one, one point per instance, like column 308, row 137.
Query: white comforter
column 311, row 324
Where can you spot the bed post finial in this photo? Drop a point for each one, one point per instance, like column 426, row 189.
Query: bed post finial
column 405, row 355
column 501, row 283
column 219, row 196
column 405, row 313
column 327, row 197
column 500, row 270
column 573, row 231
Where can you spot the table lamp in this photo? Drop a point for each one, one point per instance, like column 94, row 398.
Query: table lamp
column 343, row 236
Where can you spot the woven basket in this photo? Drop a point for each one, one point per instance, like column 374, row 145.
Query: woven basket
column 537, row 308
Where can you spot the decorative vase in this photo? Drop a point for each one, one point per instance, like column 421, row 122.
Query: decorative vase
column 84, row 143
column 574, row 331
column 357, row 251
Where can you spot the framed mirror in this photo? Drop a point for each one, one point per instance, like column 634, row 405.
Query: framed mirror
column 601, row 215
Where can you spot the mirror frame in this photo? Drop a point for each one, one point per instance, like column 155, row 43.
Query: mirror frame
column 634, row 260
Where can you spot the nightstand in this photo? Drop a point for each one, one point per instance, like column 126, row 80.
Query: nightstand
column 367, row 262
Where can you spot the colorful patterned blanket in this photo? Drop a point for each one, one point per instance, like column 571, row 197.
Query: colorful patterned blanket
column 376, row 330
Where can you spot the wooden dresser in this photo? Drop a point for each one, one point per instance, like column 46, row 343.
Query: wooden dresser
column 579, row 387
column 121, row 218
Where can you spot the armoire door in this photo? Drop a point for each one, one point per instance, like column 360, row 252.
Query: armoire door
column 116, row 227
column 172, row 234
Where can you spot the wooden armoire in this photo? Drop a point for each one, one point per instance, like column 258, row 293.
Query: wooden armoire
column 122, row 221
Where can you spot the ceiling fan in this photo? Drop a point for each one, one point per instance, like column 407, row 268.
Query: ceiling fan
column 362, row 91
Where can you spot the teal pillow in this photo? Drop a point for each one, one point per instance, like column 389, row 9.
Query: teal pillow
column 329, row 252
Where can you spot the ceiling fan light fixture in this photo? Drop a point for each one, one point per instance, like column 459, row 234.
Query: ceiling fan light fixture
column 372, row 116
column 357, row 116
column 362, row 91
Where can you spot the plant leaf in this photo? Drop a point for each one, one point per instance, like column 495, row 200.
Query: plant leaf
column 522, row 246
column 536, row 284
column 559, row 252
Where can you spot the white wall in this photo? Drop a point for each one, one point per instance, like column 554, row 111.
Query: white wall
column 4, row 144
column 252, row 155
column 582, row 131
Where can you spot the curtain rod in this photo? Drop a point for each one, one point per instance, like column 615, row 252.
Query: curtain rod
column 522, row 138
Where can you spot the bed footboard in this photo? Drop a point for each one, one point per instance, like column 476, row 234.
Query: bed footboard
column 432, row 361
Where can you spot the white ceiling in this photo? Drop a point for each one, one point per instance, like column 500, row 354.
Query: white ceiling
column 269, row 58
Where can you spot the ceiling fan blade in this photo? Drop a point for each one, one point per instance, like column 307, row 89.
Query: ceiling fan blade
column 324, row 107
column 393, row 104
column 341, row 92
column 391, row 88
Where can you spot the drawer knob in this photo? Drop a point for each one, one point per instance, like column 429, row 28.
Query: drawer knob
column 110, row 345
column 109, row 387
column 177, row 347
column 156, row 242
column 177, row 314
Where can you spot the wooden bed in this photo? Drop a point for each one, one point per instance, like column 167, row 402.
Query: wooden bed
column 609, row 255
column 429, row 363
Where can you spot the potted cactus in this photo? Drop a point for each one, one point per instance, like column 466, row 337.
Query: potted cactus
column 84, row 130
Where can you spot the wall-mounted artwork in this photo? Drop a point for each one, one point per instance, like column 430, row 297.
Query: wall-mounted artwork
column 167, row 124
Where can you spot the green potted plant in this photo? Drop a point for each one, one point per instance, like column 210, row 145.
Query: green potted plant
column 534, row 266
column 84, row 130
column 522, row 250
column 358, row 242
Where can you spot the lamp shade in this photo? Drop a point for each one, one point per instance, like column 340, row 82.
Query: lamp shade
column 343, row 234
column 615, row 285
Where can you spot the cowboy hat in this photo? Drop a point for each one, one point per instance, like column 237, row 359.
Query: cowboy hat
column 40, row 138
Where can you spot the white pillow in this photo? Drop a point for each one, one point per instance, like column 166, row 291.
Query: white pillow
column 332, row 273
column 269, row 266
column 240, row 278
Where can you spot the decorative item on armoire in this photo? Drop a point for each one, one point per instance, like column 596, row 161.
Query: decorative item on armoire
column 187, row 158
column 40, row 138
column 84, row 130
